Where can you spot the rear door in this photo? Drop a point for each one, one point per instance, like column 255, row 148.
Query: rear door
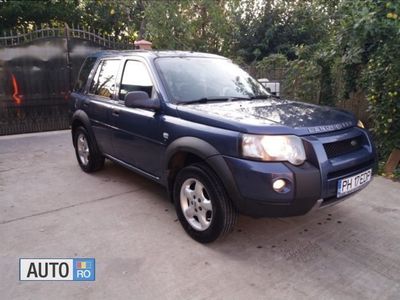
column 102, row 98
column 137, row 137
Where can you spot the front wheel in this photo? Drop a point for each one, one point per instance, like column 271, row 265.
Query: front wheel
column 202, row 205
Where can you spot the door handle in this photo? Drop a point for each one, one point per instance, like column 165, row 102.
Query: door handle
column 86, row 104
column 115, row 113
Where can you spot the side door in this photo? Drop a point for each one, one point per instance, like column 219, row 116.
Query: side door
column 101, row 99
column 137, row 136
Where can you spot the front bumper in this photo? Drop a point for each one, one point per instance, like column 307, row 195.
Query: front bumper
column 315, row 180
column 258, row 198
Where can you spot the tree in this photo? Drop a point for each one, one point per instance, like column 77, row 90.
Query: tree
column 369, row 41
column 19, row 14
column 121, row 18
column 282, row 26
column 203, row 25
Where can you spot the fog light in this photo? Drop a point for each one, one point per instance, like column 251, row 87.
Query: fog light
column 279, row 185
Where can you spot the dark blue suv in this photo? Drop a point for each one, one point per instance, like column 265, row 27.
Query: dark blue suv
column 215, row 138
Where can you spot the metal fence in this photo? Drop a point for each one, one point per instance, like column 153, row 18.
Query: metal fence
column 310, row 91
column 37, row 71
column 273, row 79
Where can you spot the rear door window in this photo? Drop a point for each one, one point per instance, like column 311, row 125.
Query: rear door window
column 103, row 83
column 87, row 66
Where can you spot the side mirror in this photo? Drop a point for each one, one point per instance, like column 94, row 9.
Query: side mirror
column 140, row 99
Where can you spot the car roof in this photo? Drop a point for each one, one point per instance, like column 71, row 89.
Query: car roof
column 153, row 54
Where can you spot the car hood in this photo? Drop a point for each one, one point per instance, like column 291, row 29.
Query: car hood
column 259, row 115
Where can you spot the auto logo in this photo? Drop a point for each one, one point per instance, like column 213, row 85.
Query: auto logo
column 318, row 129
column 353, row 143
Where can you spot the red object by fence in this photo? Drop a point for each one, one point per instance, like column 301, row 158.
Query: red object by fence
column 16, row 96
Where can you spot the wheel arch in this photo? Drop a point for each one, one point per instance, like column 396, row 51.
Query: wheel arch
column 189, row 150
column 80, row 118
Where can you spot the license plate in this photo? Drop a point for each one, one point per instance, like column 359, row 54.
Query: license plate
column 353, row 183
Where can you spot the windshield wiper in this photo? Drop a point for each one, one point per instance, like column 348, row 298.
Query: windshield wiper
column 215, row 99
column 256, row 97
column 207, row 99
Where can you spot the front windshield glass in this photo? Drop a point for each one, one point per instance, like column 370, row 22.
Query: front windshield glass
column 188, row 79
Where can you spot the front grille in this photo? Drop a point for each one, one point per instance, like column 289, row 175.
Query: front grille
column 343, row 147
column 350, row 170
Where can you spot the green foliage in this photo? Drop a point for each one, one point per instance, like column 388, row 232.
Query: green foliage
column 270, row 26
column 19, row 14
column 370, row 41
column 272, row 61
column 396, row 174
column 239, row 60
column 203, row 25
column 382, row 80
column 301, row 80
column 110, row 17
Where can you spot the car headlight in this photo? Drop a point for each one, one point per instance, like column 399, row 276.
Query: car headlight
column 360, row 124
column 274, row 148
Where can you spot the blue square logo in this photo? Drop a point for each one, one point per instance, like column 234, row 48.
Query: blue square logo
column 84, row 269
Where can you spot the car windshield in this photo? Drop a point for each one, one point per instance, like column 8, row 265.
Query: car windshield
column 199, row 79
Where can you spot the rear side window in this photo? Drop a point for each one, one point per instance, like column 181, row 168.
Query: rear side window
column 84, row 74
column 135, row 78
column 103, row 83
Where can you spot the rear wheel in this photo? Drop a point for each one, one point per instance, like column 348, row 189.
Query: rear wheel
column 202, row 205
column 87, row 153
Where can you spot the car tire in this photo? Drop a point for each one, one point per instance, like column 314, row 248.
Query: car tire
column 89, row 157
column 202, row 204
